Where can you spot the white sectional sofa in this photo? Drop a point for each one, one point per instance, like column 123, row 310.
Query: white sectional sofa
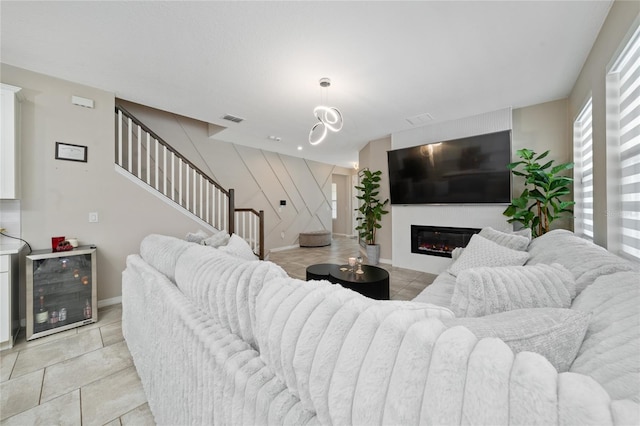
column 217, row 339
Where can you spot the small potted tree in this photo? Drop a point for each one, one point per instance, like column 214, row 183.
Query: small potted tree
column 371, row 211
column 540, row 202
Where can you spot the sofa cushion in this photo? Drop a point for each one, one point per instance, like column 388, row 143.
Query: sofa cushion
column 162, row 252
column 553, row 333
column 484, row 291
column 509, row 240
column 586, row 260
column 610, row 352
column 482, row 252
column 225, row 286
column 439, row 292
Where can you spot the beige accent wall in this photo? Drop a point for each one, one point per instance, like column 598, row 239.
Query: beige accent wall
column 592, row 82
column 374, row 157
column 57, row 195
column 543, row 127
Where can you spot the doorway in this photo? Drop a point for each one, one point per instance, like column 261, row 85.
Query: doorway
column 341, row 204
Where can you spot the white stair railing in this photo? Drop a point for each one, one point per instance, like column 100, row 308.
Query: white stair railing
column 143, row 154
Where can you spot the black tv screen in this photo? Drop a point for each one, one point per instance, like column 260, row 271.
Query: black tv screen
column 470, row 170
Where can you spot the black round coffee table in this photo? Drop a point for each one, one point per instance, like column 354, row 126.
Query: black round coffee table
column 373, row 282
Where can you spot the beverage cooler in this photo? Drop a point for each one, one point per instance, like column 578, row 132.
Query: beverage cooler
column 61, row 290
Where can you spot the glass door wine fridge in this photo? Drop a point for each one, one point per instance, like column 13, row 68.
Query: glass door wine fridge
column 61, row 290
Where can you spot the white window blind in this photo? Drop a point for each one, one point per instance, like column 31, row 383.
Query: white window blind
column 623, row 134
column 583, row 172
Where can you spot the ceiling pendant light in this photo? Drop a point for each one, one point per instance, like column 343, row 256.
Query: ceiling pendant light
column 329, row 118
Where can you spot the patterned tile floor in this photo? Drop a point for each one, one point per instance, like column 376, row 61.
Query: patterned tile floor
column 86, row 376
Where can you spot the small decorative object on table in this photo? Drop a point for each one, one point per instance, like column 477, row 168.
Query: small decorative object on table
column 359, row 262
column 352, row 263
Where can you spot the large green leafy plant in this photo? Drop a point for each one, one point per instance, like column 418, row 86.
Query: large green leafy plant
column 371, row 209
column 540, row 202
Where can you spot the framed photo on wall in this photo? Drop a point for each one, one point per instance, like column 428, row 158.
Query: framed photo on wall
column 70, row 152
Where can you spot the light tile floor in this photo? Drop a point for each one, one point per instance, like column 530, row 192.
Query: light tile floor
column 405, row 284
column 86, row 376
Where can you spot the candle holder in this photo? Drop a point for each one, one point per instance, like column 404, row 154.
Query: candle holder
column 352, row 263
column 359, row 261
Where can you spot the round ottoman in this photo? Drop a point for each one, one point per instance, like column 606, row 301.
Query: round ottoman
column 315, row 239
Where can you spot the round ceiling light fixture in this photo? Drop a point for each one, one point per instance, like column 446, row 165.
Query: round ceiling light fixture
column 329, row 118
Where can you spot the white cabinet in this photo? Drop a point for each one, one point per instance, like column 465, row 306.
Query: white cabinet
column 9, row 142
column 9, row 284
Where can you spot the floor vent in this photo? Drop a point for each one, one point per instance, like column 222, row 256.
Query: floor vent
column 233, row 118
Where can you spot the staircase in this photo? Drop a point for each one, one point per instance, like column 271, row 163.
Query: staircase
column 148, row 160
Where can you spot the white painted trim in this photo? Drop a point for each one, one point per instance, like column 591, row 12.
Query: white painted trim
column 284, row 248
column 108, row 302
column 345, row 235
column 162, row 197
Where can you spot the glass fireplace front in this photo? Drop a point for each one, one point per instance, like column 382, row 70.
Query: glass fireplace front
column 439, row 240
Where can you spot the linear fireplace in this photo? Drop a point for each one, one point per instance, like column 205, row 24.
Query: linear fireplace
column 439, row 240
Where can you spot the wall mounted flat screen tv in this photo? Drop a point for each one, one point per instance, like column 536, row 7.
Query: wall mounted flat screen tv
column 470, row 170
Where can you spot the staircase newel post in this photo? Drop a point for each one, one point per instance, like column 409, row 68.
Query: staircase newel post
column 261, row 234
column 232, row 211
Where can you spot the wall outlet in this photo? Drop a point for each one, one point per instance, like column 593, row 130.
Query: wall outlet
column 93, row 217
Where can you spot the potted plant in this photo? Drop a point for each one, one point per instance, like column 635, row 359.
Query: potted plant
column 539, row 204
column 371, row 211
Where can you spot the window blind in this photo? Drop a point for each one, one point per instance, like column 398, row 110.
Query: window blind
column 624, row 106
column 583, row 172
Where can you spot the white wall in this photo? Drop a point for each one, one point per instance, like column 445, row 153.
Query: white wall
column 472, row 216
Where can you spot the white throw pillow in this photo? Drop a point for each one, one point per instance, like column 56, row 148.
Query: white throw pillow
column 556, row 334
column 482, row 252
column 216, row 240
column 196, row 237
column 512, row 241
column 237, row 246
column 456, row 252
column 483, row 291
column 524, row 232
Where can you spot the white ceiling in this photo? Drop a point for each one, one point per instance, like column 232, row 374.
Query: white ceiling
column 262, row 60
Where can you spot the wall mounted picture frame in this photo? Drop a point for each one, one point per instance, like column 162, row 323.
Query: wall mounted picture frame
column 70, row 152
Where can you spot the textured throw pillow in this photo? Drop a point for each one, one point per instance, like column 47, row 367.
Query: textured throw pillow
column 216, row 240
column 482, row 252
column 524, row 232
column 554, row 333
column 196, row 237
column 512, row 241
column 238, row 247
column 484, row 291
column 456, row 252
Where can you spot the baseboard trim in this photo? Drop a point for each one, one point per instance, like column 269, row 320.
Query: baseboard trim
column 284, row 248
column 108, row 302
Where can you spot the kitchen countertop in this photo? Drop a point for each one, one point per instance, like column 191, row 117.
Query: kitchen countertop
column 11, row 247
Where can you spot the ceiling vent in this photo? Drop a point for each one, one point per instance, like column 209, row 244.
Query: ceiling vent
column 420, row 119
column 233, row 118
